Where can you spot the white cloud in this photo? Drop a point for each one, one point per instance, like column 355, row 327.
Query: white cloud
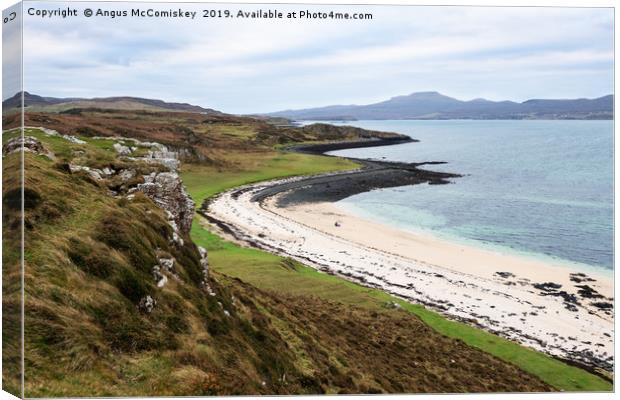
column 261, row 65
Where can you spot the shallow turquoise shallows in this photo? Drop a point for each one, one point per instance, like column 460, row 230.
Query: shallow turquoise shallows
column 538, row 188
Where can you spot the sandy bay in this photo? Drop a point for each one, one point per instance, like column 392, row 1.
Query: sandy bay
column 424, row 247
column 548, row 307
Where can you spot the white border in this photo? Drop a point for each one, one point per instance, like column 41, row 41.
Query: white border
column 520, row 3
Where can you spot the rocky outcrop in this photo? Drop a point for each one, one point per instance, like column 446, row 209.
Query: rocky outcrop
column 127, row 174
column 168, row 159
column 51, row 132
column 28, row 144
column 163, row 269
column 167, row 191
column 121, row 150
column 164, row 188
column 95, row 173
column 157, row 154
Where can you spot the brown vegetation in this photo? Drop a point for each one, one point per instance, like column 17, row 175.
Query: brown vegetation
column 198, row 137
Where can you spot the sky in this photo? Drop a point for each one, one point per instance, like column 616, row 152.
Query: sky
column 250, row 66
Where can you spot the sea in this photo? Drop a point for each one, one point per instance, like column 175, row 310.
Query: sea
column 541, row 189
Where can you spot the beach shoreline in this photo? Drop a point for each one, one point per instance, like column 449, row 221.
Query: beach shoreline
column 593, row 270
column 428, row 248
column 554, row 309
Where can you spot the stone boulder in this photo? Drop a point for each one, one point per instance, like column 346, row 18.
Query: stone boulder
column 29, row 144
column 121, row 150
column 167, row 191
column 95, row 173
column 147, row 304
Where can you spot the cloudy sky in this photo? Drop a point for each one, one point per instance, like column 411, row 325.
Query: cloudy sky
column 246, row 66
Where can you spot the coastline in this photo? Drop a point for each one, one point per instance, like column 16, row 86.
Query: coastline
column 422, row 247
column 546, row 259
column 372, row 174
column 544, row 306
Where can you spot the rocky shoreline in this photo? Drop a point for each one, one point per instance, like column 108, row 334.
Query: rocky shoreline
column 373, row 174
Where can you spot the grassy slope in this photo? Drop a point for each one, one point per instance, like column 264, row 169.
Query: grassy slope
column 89, row 259
column 264, row 271
column 11, row 277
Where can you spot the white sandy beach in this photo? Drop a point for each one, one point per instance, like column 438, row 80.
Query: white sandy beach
column 458, row 280
column 425, row 248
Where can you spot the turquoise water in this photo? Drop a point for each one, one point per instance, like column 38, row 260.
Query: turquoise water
column 540, row 188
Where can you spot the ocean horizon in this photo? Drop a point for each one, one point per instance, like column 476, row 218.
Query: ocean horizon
column 539, row 189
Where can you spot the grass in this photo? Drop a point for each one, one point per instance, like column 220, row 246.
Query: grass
column 268, row 271
column 205, row 181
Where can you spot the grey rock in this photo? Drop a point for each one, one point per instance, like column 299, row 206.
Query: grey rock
column 28, row 144
column 159, row 277
column 167, row 264
column 152, row 145
column 147, row 304
column 167, row 191
column 107, row 171
column 121, row 150
column 171, row 164
column 204, row 263
column 162, row 282
column 158, row 154
column 94, row 173
column 127, row 174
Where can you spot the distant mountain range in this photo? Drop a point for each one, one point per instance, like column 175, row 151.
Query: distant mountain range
column 433, row 105
column 52, row 104
column 421, row 105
